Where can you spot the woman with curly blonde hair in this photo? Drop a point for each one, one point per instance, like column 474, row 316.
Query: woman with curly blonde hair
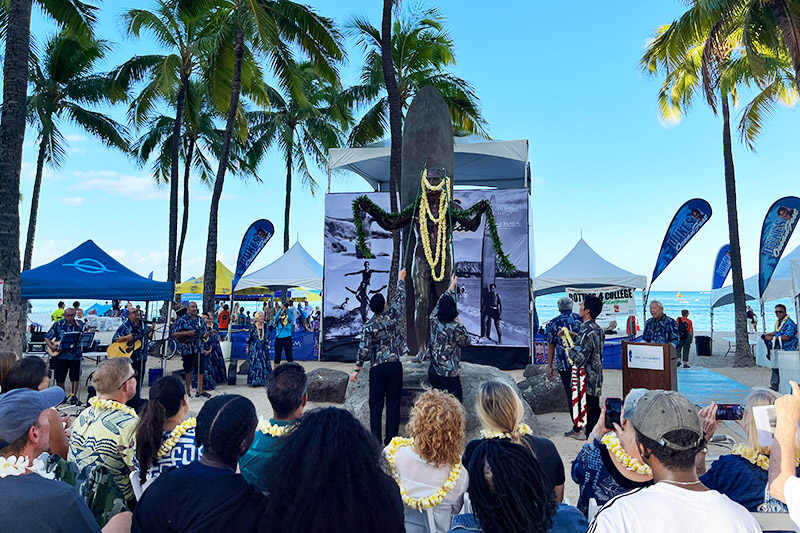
column 427, row 467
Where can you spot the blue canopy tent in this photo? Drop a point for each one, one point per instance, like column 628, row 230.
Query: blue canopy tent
column 89, row 272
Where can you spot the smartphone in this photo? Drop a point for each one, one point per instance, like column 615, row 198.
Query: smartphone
column 613, row 411
column 729, row 411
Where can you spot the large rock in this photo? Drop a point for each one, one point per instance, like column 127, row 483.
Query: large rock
column 543, row 395
column 415, row 379
column 327, row 385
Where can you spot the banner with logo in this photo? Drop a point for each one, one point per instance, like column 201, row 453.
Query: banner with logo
column 690, row 217
column 618, row 303
column 778, row 226
column 722, row 267
column 255, row 238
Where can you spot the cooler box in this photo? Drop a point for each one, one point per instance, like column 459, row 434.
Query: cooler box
column 612, row 355
column 703, row 345
column 239, row 343
column 789, row 367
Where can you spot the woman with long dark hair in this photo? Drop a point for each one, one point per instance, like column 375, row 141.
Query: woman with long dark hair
column 215, row 362
column 258, row 350
column 339, row 487
column 208, row 495
column 165, row 437
column 447, row 336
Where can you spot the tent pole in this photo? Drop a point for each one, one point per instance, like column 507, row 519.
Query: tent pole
column 165, row 338
column 329, row 178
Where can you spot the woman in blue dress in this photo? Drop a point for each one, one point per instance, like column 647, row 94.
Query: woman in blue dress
column 215, row 363
column 258, row 350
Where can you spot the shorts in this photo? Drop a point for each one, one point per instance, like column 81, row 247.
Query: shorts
column 190, row 361
column 60, row 367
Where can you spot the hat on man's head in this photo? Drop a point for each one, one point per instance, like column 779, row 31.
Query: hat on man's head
column 661, row 411
column 21, row 408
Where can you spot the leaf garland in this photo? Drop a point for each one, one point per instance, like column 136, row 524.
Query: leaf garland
column 361, row 235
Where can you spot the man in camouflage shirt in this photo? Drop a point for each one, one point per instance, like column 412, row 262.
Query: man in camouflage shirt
column 588, row 353
column 660, row 329
column 383, row 343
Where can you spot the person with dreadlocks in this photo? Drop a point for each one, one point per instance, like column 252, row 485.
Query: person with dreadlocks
column 337, row 487
column 208, row 494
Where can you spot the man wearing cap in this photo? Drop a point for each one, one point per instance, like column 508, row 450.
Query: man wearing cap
column 669, row 436
column 67, row 360
column 32, row 500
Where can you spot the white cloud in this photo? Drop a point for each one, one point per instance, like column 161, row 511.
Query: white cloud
column 74, row 201
column 115, row 183
column 76, row 137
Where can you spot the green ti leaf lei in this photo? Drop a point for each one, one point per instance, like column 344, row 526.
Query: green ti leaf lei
column 361, row 235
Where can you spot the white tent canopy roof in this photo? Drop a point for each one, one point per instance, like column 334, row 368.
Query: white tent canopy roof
column 582, row 267
column 780, row 286
column 501, row 164
column 295, row 268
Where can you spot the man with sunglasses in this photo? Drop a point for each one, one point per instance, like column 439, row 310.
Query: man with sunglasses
column 103, row 434
column 131, row 330
column 784, row 338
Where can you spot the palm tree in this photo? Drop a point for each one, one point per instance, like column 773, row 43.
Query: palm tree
column 16, row 29
column 679, row 51
column 73, row 16
column 175, row 27
column 298, row 128
column 63, row 82
column 200, row 144
column 273, row 29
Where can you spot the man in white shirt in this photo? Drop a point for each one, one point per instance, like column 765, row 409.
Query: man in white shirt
column 783, row 483
column 669, row 436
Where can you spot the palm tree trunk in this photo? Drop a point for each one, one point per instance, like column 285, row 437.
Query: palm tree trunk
column 37, row 187
column 12, row 136
column 210, row 273
column 395, row 127
column 173, row 181
column 185, row 223
column 743, row 355
column 289, row 164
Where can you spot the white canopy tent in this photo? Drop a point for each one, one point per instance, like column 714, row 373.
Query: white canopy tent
column 795, row 266
column 780, row 285
column 501, row 164
column 582, row 267
column 295, row 268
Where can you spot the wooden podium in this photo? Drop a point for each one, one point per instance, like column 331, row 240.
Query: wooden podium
column 648, row 366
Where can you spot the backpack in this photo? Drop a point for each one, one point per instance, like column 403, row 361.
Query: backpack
column 683, row 328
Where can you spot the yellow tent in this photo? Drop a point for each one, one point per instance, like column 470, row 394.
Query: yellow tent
column 195, row 286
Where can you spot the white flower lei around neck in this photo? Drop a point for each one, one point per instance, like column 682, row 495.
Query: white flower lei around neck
column 17, row 466
column 99, row 403
column 522, row 429
column 427, row 502
column 274, row 430
column 175, row 436
column 611, row 442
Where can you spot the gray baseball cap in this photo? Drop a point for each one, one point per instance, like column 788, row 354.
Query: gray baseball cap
column 20, row 409
column 660, row 411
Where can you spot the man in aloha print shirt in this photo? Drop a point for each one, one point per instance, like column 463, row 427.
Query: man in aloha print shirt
column 660, row 329
column 555, row 348
column 784, row 337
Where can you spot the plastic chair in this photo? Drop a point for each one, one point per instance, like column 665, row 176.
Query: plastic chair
column 593, row 508
column 774, row 522
column 138, row 488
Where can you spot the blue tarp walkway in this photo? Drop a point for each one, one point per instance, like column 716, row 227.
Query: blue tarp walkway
column 703, row 386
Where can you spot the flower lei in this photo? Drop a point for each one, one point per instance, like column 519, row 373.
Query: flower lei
column 179, row 431
column 522, row 429
column 780, row 323
column 100, row 403
column 16, row 466
column 754, row 457
column 274, row 430
column 614, row 447
column 426, row 214
column 427, row 502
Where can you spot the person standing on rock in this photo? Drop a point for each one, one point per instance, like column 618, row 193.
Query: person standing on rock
column 555, row 349
column 382, row 344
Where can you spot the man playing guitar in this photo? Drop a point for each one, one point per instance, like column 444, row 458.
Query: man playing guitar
column 188, row 330
column 66, row 360
column 132, row 330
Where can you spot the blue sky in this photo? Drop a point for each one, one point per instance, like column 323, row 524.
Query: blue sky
column 566, row 79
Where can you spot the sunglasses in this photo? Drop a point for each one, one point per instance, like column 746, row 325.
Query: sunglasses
column 127, row 380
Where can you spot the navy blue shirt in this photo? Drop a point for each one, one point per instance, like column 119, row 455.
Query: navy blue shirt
column 57, row 331
column 743, row 482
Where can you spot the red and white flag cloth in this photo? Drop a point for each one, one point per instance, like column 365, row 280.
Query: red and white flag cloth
column 579, row 396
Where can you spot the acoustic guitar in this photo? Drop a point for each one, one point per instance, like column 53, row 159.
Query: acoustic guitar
column 127, row 348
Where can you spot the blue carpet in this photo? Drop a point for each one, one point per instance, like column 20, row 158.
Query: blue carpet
column 702, row 386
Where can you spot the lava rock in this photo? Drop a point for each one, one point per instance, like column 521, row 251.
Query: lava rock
column 543, row 395
column 327, row 385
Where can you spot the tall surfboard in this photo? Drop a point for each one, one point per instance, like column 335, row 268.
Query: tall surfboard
column 488, row 257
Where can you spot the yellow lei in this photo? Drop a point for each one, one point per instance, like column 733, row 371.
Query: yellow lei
column 99, row 403
column 273, row 429
column 634, row 465
column 179, row 431
column 780, row 323
column 427, row 502
column 522, row 429
column 754, row 457
column 425, row 213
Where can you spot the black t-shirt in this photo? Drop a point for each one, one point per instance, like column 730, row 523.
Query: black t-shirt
column 545, row 452
column 198, row 498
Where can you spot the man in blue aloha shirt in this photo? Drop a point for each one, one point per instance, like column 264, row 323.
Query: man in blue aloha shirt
column 133, row 329
column 784, row 338
column 188, row 330
column 555, row 347
column 67, row 360
column 660, row 329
